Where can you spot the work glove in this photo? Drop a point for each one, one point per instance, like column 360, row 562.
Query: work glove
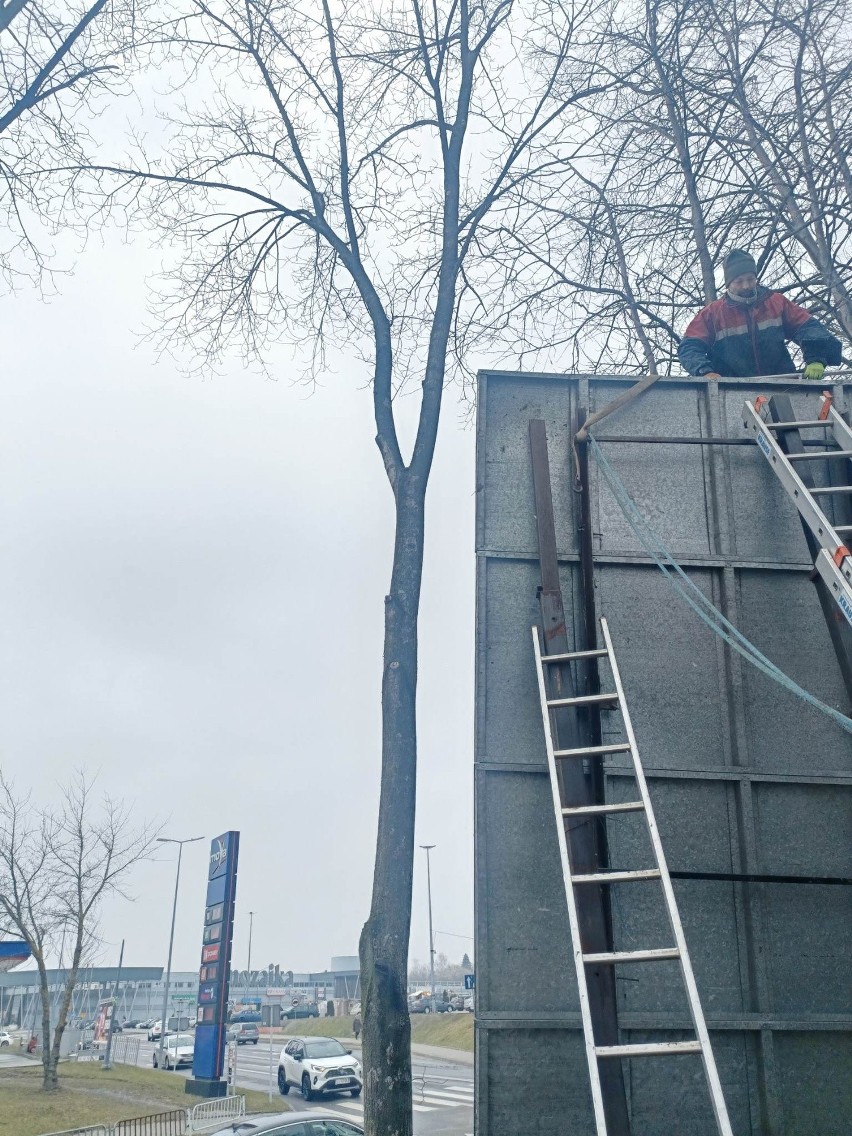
column 815, row 371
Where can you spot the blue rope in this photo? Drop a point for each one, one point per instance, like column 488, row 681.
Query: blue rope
column 692, row 594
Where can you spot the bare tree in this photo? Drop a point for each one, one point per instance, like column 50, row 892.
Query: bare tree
column 782, row 72
column 327, row 180
column 57, row 865
column 721, row 123
column 56, row 60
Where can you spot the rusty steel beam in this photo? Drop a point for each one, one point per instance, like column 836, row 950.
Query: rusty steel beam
column 577, row 788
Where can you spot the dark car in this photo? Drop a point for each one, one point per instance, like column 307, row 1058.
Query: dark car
column 424, row 1006
column 301, row 1010
column 244, row 1033
column 245, row 1016
column 292, row 1124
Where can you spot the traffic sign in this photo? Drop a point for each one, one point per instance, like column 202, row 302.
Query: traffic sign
column 470, row 982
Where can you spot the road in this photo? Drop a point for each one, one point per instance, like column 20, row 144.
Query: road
column 443, row 1090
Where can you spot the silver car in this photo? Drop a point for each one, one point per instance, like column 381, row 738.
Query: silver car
column 178, row 1050
column 292, row 1124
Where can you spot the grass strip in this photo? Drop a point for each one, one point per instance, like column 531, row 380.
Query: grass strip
column 89, row 1094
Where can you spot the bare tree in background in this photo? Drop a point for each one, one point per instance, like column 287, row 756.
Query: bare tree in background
column 721, row 124
column 326, row 182
column 783, row 70
column 57, row 60
column 57, row 865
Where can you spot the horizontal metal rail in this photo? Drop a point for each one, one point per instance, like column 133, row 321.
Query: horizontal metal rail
column 660, row 954
column 649, row 1049
column 584, row 700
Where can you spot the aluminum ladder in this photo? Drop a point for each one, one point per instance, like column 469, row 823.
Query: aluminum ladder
column 834, row 560
column 595, row 1053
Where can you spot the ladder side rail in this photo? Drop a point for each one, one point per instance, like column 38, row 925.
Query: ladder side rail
column 579, row 966
column 717, row 1097
column 833, row 578
column 811, row 514
column 841, row 429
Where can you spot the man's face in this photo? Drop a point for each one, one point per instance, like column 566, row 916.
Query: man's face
column 745, row 285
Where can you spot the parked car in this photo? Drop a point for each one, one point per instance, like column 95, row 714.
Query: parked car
column 318, row 1065
column 177, row 1050
column 245, row 1016
column 292, row 1124
column 244, row 1033
column 424, row 1006
column 154, row 1031
column 5, row 1038
column 301, row 1010
column 133, row 1023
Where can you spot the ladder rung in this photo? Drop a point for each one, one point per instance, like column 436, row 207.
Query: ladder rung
column 648, row 1049
column 832, row 489
column 584, row 700
column 819, row 454
column 593, row 751
column 842, row 528
column 567, row 656
column 623, row 807
column 798, row 425
column 617, row 877
column 634, row 956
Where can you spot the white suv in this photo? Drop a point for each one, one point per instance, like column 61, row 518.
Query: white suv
column 318, row 1065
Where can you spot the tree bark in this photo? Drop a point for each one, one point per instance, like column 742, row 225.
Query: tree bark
column 384, row 939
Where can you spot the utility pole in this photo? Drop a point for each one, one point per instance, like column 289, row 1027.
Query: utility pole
column 428, row 848
column 114, row 1009
column 164, row 1018
column 248, row 964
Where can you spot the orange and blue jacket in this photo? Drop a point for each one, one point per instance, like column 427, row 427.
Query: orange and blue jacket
column 737, row 339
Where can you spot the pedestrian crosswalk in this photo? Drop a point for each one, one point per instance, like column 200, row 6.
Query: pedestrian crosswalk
column 429, row 1094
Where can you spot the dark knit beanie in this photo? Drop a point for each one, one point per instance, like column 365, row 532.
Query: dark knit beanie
column 738, row 263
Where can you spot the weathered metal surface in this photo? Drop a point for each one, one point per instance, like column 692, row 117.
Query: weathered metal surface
column 585, row 838
column 745, row 778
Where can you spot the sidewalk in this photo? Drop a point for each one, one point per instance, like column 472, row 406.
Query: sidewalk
column 436, row 1052
column 459, row 1056
column 16, row 1061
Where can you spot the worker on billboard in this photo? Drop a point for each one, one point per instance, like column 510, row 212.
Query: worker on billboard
column 746, row 331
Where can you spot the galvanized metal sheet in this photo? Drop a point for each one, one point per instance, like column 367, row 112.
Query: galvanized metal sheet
column 730, row 755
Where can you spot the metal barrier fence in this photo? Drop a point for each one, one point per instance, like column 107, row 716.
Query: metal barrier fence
column 125, row 1050
column 211, row 1112
column 177, row 1122
column 172, row 1123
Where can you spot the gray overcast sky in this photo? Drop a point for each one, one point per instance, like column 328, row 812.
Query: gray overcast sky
column 192, row 580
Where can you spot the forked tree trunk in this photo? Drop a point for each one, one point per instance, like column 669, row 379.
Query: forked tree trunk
column 384, row 939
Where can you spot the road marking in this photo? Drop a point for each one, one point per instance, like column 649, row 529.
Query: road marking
column 444, row 1098
column 359, row 1108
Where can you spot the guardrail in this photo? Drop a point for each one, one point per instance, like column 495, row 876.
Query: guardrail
column 172, row 1123
column 125, row 1050
column 176, row 1122
column 210, row 1112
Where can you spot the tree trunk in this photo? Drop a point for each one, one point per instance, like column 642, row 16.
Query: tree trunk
column 384, row 939
column 49, row 1077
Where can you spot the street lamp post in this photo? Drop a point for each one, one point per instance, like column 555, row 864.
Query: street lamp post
column 248, row 971
column 428, row 848
column 180, row 844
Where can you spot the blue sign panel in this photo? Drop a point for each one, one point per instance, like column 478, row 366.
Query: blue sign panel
column 470, row 982
column 209, row 1057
